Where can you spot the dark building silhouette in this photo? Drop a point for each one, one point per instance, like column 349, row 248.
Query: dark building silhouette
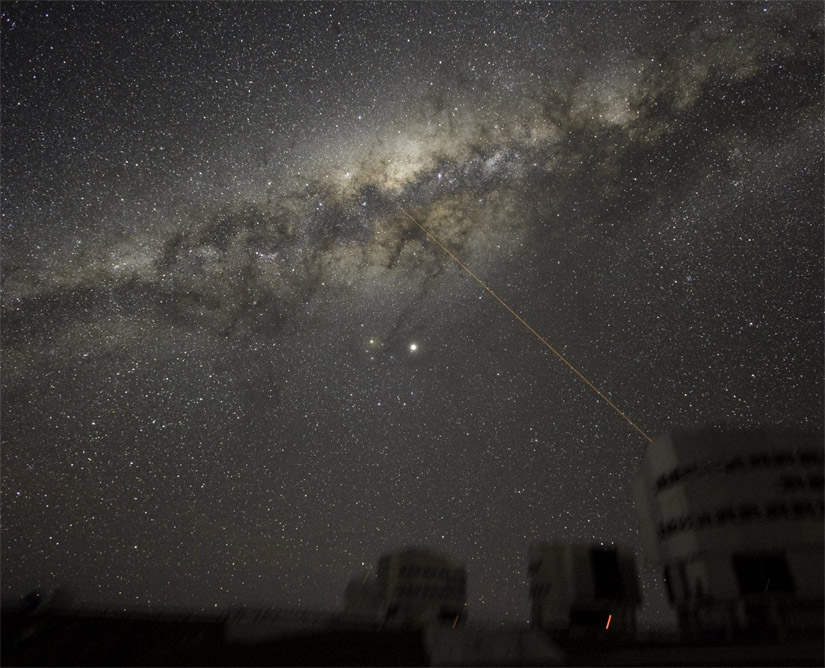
column 418, row 585
column 583, row 589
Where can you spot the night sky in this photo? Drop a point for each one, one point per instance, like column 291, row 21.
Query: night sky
column 234, row 372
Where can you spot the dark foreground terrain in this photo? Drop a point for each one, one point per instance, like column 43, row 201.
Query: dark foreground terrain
column 52, row 638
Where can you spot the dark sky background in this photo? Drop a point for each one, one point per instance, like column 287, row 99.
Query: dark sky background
column 235, row 373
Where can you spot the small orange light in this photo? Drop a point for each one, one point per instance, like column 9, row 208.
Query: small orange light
column 607, row 626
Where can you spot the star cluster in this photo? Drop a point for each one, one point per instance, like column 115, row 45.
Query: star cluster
column 235, row 373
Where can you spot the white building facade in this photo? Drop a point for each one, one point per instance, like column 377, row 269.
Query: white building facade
column 735, row 520
column 583, row 589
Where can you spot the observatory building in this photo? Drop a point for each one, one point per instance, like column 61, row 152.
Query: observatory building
column 582, row 589
column 418, row 585
column 734, row 519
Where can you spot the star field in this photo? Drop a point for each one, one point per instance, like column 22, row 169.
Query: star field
column 234, row 373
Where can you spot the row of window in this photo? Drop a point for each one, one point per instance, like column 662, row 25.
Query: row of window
column 794, row 483
column 758, row 460
column 798, row 509
column 446, row 613
column 448, row 574
column 429, row 592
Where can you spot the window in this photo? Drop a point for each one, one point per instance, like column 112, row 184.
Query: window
column 808, row 457
column 734, row 464
column 607, row 578
column 668, row 585
column 748, row 513
column 803, row 508
column 775, row 510
column 705, row 519
column 783, row 458
column 760, row 459
column 762, row 573
column 792, row 483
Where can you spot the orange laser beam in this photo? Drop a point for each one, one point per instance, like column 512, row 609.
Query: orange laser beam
column 524, row 322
